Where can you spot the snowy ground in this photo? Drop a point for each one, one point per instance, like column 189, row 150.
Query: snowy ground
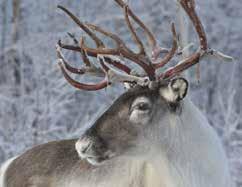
column 37, row 105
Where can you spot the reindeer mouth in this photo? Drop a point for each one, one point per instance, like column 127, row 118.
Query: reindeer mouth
column 92, row 152
column 100, row 159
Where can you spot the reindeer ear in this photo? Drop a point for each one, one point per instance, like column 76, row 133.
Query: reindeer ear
column 175, row 91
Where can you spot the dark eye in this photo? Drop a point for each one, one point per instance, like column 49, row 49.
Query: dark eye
column 143, row 106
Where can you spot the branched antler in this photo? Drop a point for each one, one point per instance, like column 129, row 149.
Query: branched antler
column 113, row 69
column 149, row 34
column 189, row 7
column 170, row 53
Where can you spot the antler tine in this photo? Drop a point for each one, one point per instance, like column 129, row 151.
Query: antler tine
column 75, row 48
column 121, row 50
column 113, row 36
column 98, row 42
column 83, row 53
column 103, row 50
column 70, row 68
column 100, row 45
column 82, row 86
column 84, row 56
column 114, row 75
column 133, row 33
column 69, row 47
column 117, row 64
column 90, row 87
column 72, row 36
column 172, row 52
column 183, row 65
column 109, row 59
column 91, row 69
column 149, row 34
column 189, row 7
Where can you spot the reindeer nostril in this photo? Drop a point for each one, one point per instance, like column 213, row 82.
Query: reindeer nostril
column 82, row 146
column 84, row 150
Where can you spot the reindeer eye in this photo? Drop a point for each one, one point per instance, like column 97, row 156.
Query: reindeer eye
column 143, row 106
column 140, row 110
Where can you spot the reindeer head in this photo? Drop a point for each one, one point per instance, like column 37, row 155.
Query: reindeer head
column 139, row 116
column 136, row 120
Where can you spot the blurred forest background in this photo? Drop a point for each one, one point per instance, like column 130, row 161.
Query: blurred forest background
column 36, row 103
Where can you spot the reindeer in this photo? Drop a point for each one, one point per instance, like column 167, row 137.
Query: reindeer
column 152, row 136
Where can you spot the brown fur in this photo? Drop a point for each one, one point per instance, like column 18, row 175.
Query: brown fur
column 40, row 165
